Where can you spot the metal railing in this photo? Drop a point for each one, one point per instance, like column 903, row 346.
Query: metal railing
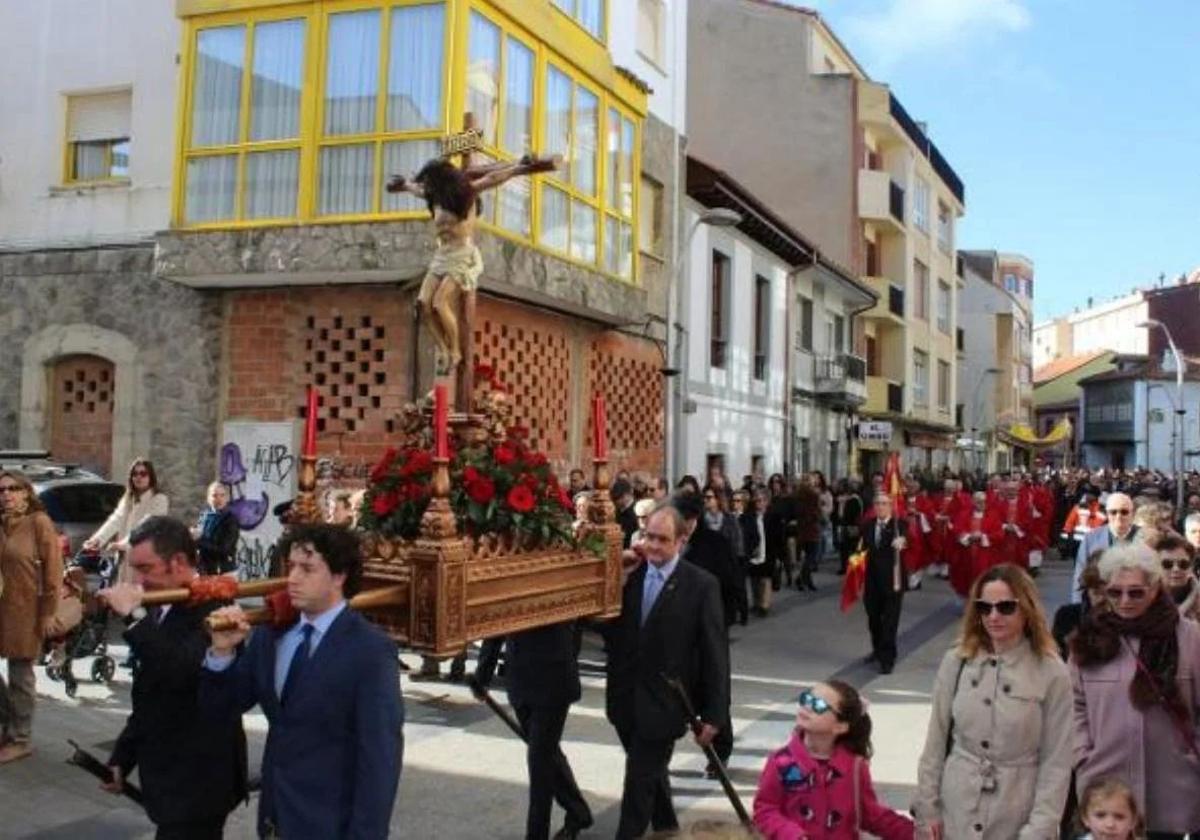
column 840, row 367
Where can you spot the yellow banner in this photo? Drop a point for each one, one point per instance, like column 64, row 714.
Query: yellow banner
column 1021, row 433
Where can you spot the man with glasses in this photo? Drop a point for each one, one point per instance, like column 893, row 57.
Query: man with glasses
column 1118, row 530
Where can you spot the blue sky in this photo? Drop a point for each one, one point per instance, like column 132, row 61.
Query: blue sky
column 1075, row 125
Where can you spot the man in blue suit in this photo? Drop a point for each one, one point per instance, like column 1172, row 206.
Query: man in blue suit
column 330, row 688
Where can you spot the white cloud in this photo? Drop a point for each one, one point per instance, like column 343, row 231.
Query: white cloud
column 907, row 28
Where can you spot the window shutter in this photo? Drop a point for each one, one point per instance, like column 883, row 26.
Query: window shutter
column 99, row 116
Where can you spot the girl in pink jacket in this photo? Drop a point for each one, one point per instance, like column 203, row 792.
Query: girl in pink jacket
column 818, row 787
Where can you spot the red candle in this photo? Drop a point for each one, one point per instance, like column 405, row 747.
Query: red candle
column 599, row 429
column 310, row 425
column 441, row 422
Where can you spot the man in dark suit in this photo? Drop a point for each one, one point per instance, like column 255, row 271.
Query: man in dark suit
column 884, row 539
column 621, row 494
column 330, row 689
column 192, row 767
column 671, row 624
column 542, row 677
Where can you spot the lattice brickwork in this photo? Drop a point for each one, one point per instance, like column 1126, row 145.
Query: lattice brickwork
column 346, row 359
column 626, row 372
column 531, row 355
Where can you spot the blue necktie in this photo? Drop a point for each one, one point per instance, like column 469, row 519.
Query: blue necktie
column 298, row 664
column 654, row 582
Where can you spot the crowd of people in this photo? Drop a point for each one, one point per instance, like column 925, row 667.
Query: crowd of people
column 1040, row 726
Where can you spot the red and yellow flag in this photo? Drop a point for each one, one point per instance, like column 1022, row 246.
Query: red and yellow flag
column 855, row 578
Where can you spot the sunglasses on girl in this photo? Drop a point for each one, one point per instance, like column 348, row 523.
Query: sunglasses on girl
column 816, row 705
column 1008, row 607
column 140, row 473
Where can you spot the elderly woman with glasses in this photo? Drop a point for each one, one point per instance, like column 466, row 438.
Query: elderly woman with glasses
column 30, row 574
column 1136, row 674
column 1178, row 559
column 997, row 757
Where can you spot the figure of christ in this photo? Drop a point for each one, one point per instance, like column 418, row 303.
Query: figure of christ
column 452, row 195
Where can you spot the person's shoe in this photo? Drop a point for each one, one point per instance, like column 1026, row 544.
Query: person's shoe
column 886, row 667
column 572, row 828
column 477, row 686
column 15, row 751
column 870, row 657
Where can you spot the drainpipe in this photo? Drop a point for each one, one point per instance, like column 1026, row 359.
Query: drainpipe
column 672, row 397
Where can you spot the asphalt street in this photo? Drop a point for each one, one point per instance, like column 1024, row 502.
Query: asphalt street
column 464, row 772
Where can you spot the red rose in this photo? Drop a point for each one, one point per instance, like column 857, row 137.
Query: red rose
column 385, row 463
column 470, row 474
column 535, row 459
column 504, row 454
column 385, row 503
column 421, row 461
column 521, row 499
column 481, row 490
column 529, row 480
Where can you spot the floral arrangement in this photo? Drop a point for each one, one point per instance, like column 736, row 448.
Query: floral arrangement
column 499, row 486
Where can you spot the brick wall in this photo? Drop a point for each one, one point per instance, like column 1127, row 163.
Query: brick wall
column 625, row 370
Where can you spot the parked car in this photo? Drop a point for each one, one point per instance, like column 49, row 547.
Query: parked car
column 77, row 501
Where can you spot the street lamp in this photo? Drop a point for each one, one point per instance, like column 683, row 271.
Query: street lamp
column 1151, row 323
column 992, row 371
column 677, row 356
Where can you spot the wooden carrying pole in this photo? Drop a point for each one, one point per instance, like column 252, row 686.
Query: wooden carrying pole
column 383, row 597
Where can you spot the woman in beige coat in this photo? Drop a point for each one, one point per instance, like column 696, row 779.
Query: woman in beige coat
column 31, row 570
column 142, row 500
column 997, row 758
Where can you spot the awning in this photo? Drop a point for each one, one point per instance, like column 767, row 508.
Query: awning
column 1021, row 435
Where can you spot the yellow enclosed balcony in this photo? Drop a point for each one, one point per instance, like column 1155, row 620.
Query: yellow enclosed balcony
column 881, row 199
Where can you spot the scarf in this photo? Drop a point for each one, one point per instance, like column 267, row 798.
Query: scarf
column 1099, row 640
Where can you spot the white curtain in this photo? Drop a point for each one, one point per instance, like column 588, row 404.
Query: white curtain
column 271, row 182
column 590, row 13
column 352, row 75
column 558, row 112
column 406, row 158
column 347, row 178
column 612, row 240
column 483, row 75
column 89, row 161
column 625, row 269
column 587, row 115
column 583, row 232
column 627, row 142
column 555, row 207
column 211, row 186
column 612, row 161
column 217, row 85
column 518, row 98
column 277, row 81
column 514, row 205
column 417, row 68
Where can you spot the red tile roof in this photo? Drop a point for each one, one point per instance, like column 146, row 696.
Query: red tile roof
column 1058, row 367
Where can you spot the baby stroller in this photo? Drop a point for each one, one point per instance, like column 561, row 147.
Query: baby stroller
column 87, row 573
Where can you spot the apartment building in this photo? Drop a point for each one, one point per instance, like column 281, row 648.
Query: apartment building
column 840, row 158
column 995, row 379
column 209, row 234
column 1108, row 325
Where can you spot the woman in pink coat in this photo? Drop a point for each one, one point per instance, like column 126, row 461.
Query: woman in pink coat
column 818, row 787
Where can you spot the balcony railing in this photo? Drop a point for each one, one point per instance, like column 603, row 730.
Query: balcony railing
column 896, row 301
column 896, row 201
column 895, row 398
column 841, row 367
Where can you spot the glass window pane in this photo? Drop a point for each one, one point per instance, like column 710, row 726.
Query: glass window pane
column 278, row 77
column 483, row 76
column 612, row 240
column 347, row 178
column 587, row 117
column 612, row 160
column 352, row 75
column 416, row 69
column 518, row 98
column 217, row 85
column 555, row 207
column 211, row 185
column 406, row 158
column 271, row 182
column 120, row 159
column 583, row 232
column 89, row 160
column 514, row 198
column 558, row 113
column 591, row 16
column 626, row 249
column 627, row 147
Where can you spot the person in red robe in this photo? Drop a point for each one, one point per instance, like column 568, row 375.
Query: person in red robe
column 979, row 531
column 1041, row 510
column 916, row 554
column 942, row 513
column 1016, row 527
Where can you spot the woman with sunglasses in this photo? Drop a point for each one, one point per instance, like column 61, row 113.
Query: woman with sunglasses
column 142, row 500
column 1178, row 559
column 997, row 757
column 30, row 573
column 1136, row 674
column 819, row 785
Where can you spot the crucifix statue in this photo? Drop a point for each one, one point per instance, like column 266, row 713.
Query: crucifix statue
column 446, row 299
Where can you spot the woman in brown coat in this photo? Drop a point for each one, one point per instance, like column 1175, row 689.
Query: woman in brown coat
column 31, row 570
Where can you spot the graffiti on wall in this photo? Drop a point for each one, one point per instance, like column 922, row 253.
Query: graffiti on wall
column 258, row 464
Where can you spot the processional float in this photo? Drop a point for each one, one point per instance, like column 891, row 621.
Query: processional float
column 468, row 534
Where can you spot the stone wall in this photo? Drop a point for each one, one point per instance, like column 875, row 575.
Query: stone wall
column 168, row 335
